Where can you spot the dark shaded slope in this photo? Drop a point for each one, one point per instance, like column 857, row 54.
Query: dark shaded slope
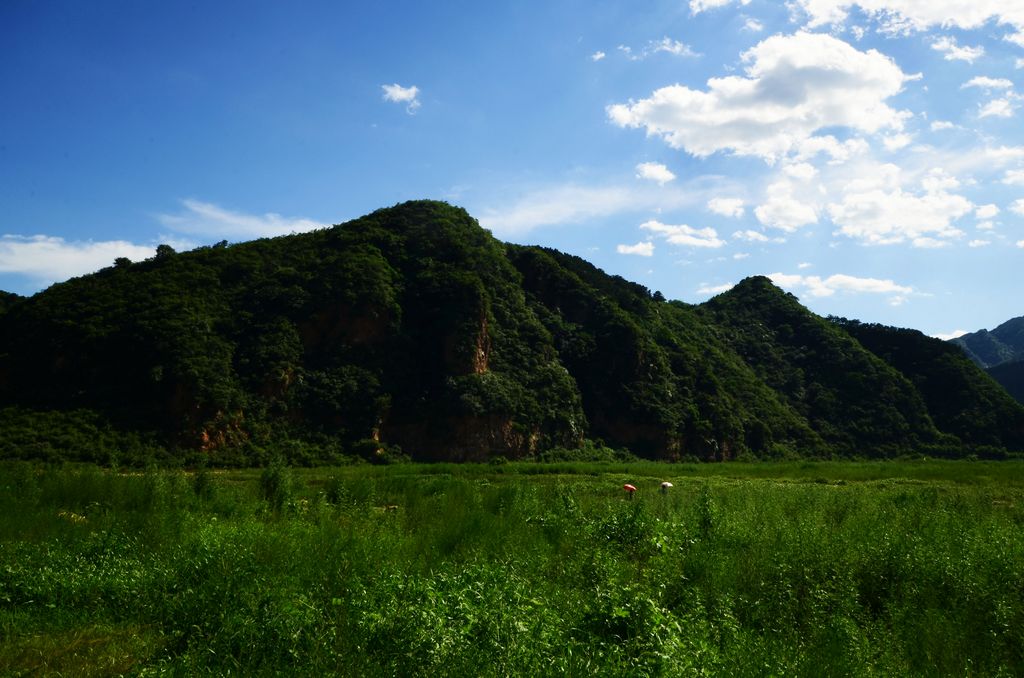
column 652, row 374
column 854, row 400
column 1011, row 377
column 990, row 348
column 961, row 399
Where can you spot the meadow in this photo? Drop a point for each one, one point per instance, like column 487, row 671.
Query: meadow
column 802, row 568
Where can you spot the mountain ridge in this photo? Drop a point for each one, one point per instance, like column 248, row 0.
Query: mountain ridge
column 413, row 331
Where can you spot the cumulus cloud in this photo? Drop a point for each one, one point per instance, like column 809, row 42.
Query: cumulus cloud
column 1020, row 243
column 642, row 249
column 880, row 212
column 753, row 25
column 597, row 56
column 826, row 287
column 1013, row 178
column 706, row 289
column 997, row 108
column 794, row 86
column 953, row 52
column 212, row 221
column 403, row 95
column 985, row 226
column 740, row 255
column 939, row 125
column 654, row 171
column 895, row 142
column 684, row 235
column 802, row 265
column 1017, row 207
column 803, row 171
column 979, row 243
column 783, row 211
column 986, row 211
column 46, row 259
column 727, row 207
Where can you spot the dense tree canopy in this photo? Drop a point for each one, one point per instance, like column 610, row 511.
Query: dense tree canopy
column 413, row 330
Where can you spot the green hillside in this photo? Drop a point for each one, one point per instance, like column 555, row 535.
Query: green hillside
column 412, row 330
column 1011, row 377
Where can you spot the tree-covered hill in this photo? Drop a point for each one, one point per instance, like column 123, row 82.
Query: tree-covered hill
column 990, row 348
column 413, row 329
column 961, row 399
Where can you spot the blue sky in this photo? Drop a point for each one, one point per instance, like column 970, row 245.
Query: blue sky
column 867, row 155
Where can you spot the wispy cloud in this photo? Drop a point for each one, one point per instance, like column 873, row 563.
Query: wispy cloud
column 683, row 234
column 46, row 259
column 817, row 286
column 212, row 221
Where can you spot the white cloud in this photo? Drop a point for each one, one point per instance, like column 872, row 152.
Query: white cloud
column 673, row 47
column 895, row 142
column 803, row 171
column 666, row 44
column 47, row 259
column 643, row 249
column 1017, row 207
column 985, row 226
column 927, row 243
column 714, row 289
column 880, row 212
column 794, row 86
column 727, row 207
column 740, row 255
column 1013, row 178
column 997, row 108
column 803, row 265
column 573, row 203
column 783, row 211
column 753, row 25
column 826, row 287
column 684, row 235
column 403, row 95
column 597, row 56
column 1019, row 63
column 950, row 335
column 941, row 125
column 986, row 82
column 986, row 211
column 904, row 16
column 654, row 171
column 698, row 6
column 954, row 52
column 979, row 243
column 212, row 221
column 750, row 236
column 1020, row 243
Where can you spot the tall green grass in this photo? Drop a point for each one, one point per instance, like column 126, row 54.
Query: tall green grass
column 816, row 570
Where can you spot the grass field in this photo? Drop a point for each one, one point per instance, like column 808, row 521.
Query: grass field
column 816, row 569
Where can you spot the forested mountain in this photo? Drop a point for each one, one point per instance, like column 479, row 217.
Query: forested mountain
column 1002, row 345
column 412, row 329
